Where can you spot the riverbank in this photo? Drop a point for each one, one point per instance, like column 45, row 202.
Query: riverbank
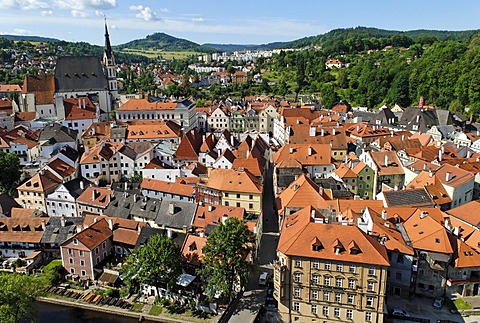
column 109, row 310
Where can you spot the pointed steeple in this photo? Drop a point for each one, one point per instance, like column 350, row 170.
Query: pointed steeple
column 108, row 46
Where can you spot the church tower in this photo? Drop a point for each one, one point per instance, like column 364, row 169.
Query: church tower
column 110, row 68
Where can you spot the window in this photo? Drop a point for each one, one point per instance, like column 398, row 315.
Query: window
column 350, row 299
column 238, row 204
column 298, row 263
column 371, row 286
column 326, row 296
column 338, row 297
column 82, row 263
column 336, row 312
column 226, row 194
column 349, row 314
column 326, row 281
column 339, row 267
column 314, row 309
column 238, row 196
column 250, row 197
column 339, row 282
column 352, row 269
column 296, row 306
column 314, row 294
column 398, row 276
column 250, row 206
column 84, row 273
column 368, row 316
column 400, row 259
column 72, row 270
column 297, row 277
column 325, row 310
column 75, row 241
column 80, row 252
column 104, row 245
column 371, row 271
column 316, row 264
column 96, row 250
column 369, row 301
column 351, row 283
column 328, row 266
column 70, row 252
column 297, row 292
column 70, row 261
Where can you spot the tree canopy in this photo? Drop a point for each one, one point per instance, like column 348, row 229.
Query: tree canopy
column 18, row 294
column 10, row 174
column 158, row 263
column 225, row 258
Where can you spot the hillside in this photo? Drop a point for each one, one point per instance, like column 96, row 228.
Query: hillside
column 29, row 38
column 335, row 39
column 162, row 41
column 239, row 47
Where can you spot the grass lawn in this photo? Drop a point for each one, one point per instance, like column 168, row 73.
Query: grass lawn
column 457, row 304
column 156, row 310
column 189, row 317
column 137, row 308
column 52, row 263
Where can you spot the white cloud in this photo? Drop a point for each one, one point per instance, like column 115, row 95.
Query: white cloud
column 99, row 13
column 21, row 31
column 85, row 4
column 46, row 13
column 144, row 13
column 198, row 19
column 78, row 14
column 24, row 4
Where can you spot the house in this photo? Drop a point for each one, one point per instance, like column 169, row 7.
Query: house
column 93, row 200
column 54, row 136
column 57, row 230
column 387, row 168
column 32, row 194
column 182, row 112
column 410, row 197
column 80, row 114
column 188, row 150
column 333, row 63
column 38, row 93
column 63, row 201
column 83, row 253
column 147, row 130
column 167, row 191
column 239, row 77
column 266, row 118
column 329, row 271
column 102, row 161
column 192, row 250
column 134, row 156
column 21, row 233
column 366, row 180
column 315, row 158
column 219, row 119
column 208, row 216
column 232, row 187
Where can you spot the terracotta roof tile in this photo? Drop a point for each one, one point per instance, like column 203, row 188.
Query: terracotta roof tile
column 167, row 187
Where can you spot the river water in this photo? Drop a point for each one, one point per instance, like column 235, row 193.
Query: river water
column 50, row 313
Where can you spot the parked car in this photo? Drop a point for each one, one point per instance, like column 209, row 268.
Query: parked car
column 399, row 312
column 438, row 302
column 263, row 279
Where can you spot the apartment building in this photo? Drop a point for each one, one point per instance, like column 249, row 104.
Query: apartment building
column 329, row 272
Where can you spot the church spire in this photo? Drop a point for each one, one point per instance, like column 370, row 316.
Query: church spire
column 108, row 46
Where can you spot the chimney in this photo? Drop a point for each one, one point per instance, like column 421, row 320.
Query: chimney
column 320, row 190
column 126, row 186
column 82, row 185
column 391, row 134
column 139, row 229
column 169, row 233
column 469, row 154
column 135, row 197
column 78, row 228
column 418, row 118
column 79, row 103
column 201, row 234
column 358, row 128
column 440, row 155
column 333, row 131
column 171, row 208
column 310, row 151
column 313, row 131
column 340, row 217
column 210, row 208
column 231, row 141
column 94, row 194
column 384, row 215
column 478, row 133
column 403, row 137
column 430, row 173
column 84, row 106
column 290, row 150
column 224, row 218
column 425, row 166
column 448, row 176
column 386, row 161
column 110, row 224
column 62, row 221
column 456, row 231
column 322, row 133
column 44, row 225
column 95, row 220
column 312, row 214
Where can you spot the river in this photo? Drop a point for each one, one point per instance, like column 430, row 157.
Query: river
column 48, row 313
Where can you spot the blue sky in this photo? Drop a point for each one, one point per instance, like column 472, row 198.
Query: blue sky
column 245, row 21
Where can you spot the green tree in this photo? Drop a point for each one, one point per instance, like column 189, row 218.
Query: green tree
column 225, row 263
column 136, row 178
column 18, row 294
column 158, row 263
column 54, row 272
column 10, row 175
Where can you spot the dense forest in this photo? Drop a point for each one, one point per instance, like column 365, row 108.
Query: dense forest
column 445, row 72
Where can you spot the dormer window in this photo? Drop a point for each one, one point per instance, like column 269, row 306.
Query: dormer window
column 75, row 241
column 316, row 244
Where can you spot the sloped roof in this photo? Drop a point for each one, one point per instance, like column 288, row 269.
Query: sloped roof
column 212, row 214
column 409, row 198
column 300, row 193
column 41, row 182
column 79, row 74
column 306, row 154
column 167, row 187
column 233, row 180
column 94, row 235
column 43, row 86
column 192, row 249
column 297, row 235
column 189, row 146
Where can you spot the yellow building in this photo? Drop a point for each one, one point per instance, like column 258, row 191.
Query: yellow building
column 328, row 272
column 232, row 187
column 32, row 193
